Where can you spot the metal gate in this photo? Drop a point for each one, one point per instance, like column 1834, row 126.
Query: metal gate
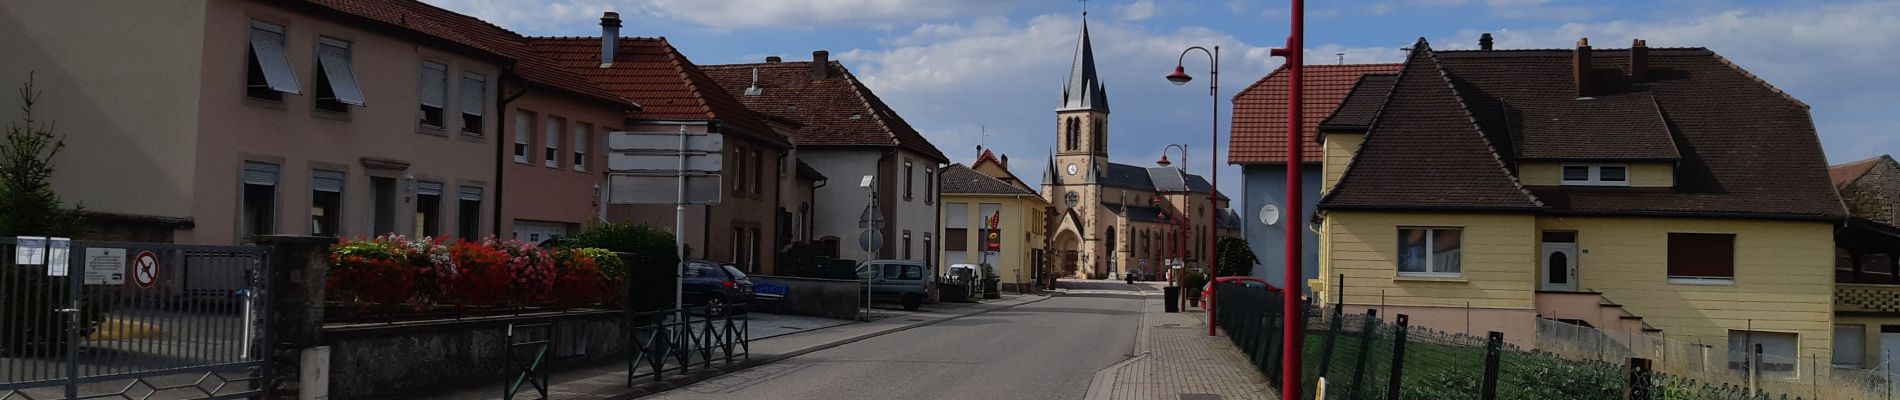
column 132, row 320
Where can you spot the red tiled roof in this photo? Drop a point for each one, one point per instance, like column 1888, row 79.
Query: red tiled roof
column 654, row 73
column 1259, row 118
column 835, row 111
column 469, row 31
column 1844, row 175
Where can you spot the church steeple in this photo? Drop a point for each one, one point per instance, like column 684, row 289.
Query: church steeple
column 1084, row 90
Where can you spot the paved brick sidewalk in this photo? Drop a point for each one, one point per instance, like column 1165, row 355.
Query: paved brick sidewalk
column 1176, row 359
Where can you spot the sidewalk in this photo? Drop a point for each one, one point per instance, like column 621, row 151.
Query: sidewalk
column 772, row 344
column 1175, row 358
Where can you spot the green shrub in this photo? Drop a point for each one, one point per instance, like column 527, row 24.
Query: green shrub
column 1192, row 279
column 1236, row 259
column 652, row 261
column 29, row 207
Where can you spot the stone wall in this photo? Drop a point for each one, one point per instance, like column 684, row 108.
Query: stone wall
column 1874, row 195
column 416, row 358
column 829, row 298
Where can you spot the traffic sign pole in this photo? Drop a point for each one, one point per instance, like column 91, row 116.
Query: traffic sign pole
column 679, row 234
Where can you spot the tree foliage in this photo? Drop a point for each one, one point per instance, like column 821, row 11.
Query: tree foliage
column 1236, row 259
column 652, row 261
column 28, row 205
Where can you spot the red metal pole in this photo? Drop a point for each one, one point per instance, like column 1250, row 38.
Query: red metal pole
column 1295, row 226
column 1213, row 178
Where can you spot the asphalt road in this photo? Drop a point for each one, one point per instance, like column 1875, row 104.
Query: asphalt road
column 1045, row 350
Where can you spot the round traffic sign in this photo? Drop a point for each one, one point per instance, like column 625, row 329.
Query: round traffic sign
column 145, row 269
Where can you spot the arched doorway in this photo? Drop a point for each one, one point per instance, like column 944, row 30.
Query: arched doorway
column 1068, row 252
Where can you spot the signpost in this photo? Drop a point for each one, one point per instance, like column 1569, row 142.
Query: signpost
column 639, row 162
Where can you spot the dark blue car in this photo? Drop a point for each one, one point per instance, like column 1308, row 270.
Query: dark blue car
column 708, row 283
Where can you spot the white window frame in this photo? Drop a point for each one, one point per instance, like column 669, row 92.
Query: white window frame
column 552, row 140
column 1431, row 270
column 474, row 101
column 583, row 133
column 432, row 90
column 1596, row 175
column 524, row 127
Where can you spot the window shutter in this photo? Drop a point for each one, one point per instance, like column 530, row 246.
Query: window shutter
column 1702, row 255
column 334, row 56
column 260, row 174
column 433, row 89
column 267, row 44
column 474, row 88
column 429, row 188
column 471, row 193
column 326, row 181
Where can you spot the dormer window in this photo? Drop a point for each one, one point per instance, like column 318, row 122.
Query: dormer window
column 1596, row 175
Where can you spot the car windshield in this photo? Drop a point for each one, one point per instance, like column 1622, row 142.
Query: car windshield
column 865, row 271
column 734, row 271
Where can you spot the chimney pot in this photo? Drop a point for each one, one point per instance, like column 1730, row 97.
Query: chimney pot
column 609, row 38
column 1639, row 61
column 1580, row 71
column 820, row 64
column 1484, row 41
column 772, row 59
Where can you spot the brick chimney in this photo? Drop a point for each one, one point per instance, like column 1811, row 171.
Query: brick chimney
column 820, row 64
column 772, row 59
column 1484, row 41
column 609, row 38
column 1639, row 61
column 1580, row 70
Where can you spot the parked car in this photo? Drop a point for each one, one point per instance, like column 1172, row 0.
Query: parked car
column 709, row 283
column 902, row 281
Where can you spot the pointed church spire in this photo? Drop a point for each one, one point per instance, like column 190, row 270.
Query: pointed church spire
column 1084, row 89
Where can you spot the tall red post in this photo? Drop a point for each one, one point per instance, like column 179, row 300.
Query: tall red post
column 1295, row 226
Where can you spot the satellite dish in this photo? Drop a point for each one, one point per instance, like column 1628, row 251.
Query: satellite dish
column 1269, row 215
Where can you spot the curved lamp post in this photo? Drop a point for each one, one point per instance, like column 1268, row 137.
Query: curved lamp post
column 1180, row 77
column 1184, row 164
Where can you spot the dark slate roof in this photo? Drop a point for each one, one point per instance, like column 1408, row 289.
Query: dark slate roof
column 1229, row 219
column 959, row 179
column 1137, row 213
column 1084, row 90
column 1356, row 112
column 1743, row 147
column 1259, row 118
column 1424, row 151
column 1154, row 179
column 835, row 111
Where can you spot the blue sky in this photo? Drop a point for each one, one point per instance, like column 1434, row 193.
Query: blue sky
column 956, row 67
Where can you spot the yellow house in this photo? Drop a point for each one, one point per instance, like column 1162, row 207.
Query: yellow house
column 993, row 220
column 1659, row 194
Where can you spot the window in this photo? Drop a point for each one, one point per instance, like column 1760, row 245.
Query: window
column 583, row 134
column 930, row 253
column 912, row 272
column 738, row 244
column 758, row 169
column 260, row 200
column 956, row 232
column 1431, row 251
column 474, row 101
column 268, row 75
column 1773, row 353
column 1850, row 345
column 910, row 177
column 1073, row 140
column 553, row 142
column 382, row 205
column 752, row 251
column 738, row 170
column 432, row 90
column 428, row 209
column 1100, row 144
column 469, row 213
column 1596, row 175
column 1702, row 258
column 524, row 128
column 1111, row 240
column 907, row 244
column 326, row 203
column 336, row 83
column 930, row 185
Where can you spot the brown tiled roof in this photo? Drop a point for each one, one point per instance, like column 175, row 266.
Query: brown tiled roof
column 1259, row 116
column 835, row 111
column 1361, row 105
column 654, row 73
column 1844, row 175
column 1744, row 148
column 435, row 22
column 959, row 179
column 1425, row 152
column 1611, row 127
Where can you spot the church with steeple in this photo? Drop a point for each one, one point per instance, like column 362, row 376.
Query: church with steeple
column 1110, row 218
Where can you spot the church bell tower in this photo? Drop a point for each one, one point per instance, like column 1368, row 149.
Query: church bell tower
column 1082, row 119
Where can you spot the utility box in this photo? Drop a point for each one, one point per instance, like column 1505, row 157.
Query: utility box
column 314, row 377
column 1171, row 299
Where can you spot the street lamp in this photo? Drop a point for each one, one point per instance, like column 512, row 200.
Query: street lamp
column 1184, row 164
column 1293, row 333
column 1180, row 77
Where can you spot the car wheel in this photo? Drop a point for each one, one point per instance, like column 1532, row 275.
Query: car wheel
column 912, row 302
column 716, row 305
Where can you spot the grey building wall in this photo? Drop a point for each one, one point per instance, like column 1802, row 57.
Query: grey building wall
column 1266, row 184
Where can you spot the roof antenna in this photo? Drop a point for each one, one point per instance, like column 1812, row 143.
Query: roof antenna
column 1342, row 58
column 982, row 137
column 754, row 90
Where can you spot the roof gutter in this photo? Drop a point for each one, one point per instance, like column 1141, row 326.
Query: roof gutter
column 501, row 144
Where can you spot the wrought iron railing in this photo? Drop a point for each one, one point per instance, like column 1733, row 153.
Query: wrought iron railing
column 673, row 341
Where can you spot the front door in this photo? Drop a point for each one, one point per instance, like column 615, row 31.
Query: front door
column 1560, row 267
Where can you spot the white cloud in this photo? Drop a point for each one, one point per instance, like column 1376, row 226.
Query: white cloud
column 551, row 15
column 1136, row 11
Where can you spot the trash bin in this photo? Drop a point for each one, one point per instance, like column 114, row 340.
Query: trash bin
column 992, row 289
column 1171, row 299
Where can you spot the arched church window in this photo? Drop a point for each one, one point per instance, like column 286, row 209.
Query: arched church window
column 1074, row 126
column 1101, row 138
column 1111, row 239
